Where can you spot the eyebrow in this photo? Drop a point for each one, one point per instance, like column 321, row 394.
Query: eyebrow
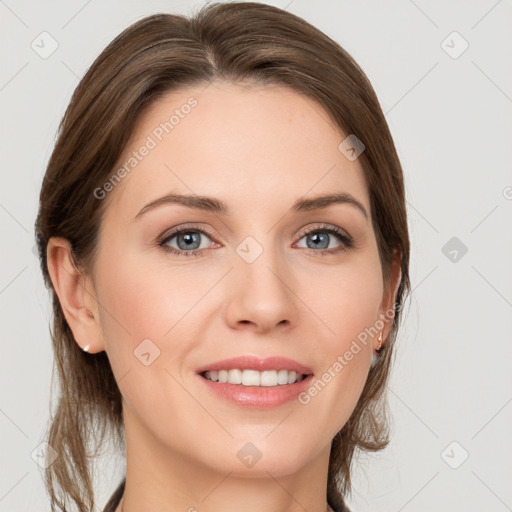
column 211, row 204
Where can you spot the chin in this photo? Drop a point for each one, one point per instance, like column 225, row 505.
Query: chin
column 250, row 459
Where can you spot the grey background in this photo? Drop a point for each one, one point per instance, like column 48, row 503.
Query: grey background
column 451, row 121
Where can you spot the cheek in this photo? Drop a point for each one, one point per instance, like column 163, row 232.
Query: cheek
column 140, row 303
column 347, row 299
column 349, row 307
column 146, row 332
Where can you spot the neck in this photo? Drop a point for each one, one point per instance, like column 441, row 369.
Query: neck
column 120, row 508
column 159, row 478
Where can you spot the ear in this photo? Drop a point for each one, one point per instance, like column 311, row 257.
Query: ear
column 388, row 300
column 76, row 295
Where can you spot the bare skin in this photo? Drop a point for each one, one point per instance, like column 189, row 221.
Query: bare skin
column 257, row 149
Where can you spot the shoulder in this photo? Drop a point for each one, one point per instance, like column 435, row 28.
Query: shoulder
column 340, row 507
column 114, row 500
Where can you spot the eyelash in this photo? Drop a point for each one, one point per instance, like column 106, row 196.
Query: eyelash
column 346, row 241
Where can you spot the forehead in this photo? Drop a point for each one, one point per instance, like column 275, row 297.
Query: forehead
column 249, row 145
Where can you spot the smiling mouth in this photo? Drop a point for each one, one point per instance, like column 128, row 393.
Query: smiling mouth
column 254, row 378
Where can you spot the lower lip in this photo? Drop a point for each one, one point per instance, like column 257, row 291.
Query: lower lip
column 260, row 397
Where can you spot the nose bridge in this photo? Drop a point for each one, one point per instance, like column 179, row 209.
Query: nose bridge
column 260, row 290
column 262, row 265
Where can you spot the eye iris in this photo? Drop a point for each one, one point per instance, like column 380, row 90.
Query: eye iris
column 188, row 238
column 318, row 236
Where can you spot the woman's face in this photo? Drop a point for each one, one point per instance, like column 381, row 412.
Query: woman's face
column 249, row 281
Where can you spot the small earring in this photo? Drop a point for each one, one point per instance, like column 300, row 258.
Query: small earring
column 379, row 348
column 86, row 348
column 375, row 358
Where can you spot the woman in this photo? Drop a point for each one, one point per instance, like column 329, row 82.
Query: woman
column 223, row 230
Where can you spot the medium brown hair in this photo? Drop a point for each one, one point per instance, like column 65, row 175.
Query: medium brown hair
column 234, row 42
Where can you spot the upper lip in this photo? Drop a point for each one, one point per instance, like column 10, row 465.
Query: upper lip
column 255, row 363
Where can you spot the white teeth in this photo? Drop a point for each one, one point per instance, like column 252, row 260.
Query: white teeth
column 250, row 378
column 268, row 378
column 234, row 377
column 282, row 377
column 254, row 378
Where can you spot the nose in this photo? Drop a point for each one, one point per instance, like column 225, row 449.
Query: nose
column 260, row 295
